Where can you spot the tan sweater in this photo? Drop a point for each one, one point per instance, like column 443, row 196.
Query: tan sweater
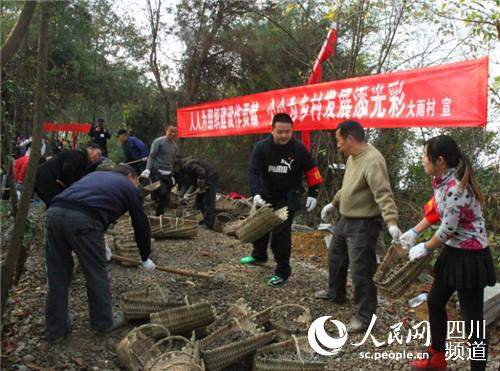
column 366, row 191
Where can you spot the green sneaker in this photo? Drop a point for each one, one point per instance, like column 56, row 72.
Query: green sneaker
column 250, row 260
column 276, row 281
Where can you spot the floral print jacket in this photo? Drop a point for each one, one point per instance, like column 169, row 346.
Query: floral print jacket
column 462, row 223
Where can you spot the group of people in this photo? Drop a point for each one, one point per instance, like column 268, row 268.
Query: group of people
column 83, row 201
column 365, row 201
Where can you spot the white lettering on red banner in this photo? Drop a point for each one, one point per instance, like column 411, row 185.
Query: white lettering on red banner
column 427, row 97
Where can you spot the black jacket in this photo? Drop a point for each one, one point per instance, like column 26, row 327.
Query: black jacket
column 58, row 173
column 100, row 137
column 105, row 196
column 194, row 171
column 277, row 171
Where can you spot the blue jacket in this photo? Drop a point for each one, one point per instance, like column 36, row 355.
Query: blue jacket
column 134, row 149
column 107, row 195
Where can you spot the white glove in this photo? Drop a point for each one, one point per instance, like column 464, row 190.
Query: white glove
column 145, row 174
column 148, row 265
column 173, row 180
column 108, row 253
column 186, row 196
column 418, row 251
column 326, row 211
column 408, row 239
column 258, row 201
column 311, row 203
column 395, row 232
column 144, row 158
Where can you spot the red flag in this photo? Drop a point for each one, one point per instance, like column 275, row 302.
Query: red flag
column 326, row 52
column 315, row 76
column 431, row 212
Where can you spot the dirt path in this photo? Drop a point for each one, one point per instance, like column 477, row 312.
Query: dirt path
column 24, row 348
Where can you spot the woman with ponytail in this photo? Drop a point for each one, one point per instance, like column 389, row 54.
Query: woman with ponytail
column 464, row 264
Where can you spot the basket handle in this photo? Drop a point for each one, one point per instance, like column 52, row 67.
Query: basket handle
column 297, row 348
column 238, row 324
column 157, row 286
column 186, row 300
column 135, row 329
column 169, row 340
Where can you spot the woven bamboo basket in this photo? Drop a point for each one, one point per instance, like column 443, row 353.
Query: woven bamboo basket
column 290, row 319
column 127, row 247
column 238, row 310
column 167, row 227
column 138, row 348
column 395, row 274
column 186, row 318
column 230, row 227
column 149, row 188
column 260, row 222
column 140, row 304
column 180, row 354
column 233, row 206
column 294, row 354
column 219, row 351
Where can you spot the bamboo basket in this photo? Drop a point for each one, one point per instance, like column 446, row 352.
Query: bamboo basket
column 230, row 227
column 140, row 304
column 186, row 318
column 289, row 319
column 238, row 310
column 218, row 356
column 127, row 247
column 138, row 348
column 149, row 188
column 167, row 227
column 395, row 274
column 235, row 207
column 181, row 355
column 278, row 357
column 260, row 222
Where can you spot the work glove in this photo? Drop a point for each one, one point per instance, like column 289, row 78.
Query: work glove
column 395, row 232
column 148, row 265
column 409, row 238
column 202, row 187
column 186, row 196
column 144, row 158
column 145, row 174
column 108, row 252
column 311, row 203
column 173, row 180
column 258, row 201
column 418, row 251
column 326, row 212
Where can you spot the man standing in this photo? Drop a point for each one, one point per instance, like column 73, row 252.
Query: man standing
column 58, row 173
column 277, row 168
column 134, row 150
column 160, row 165
column 100, row 135
column 76, row 221
column 200, row 176
column 364, row 199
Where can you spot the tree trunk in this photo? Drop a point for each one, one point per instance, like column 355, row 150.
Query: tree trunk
column 17, row 34
column 154, row 22
column 24, row 204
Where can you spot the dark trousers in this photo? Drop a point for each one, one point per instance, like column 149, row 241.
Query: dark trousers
column 162, row 194
column 471, row 305
column 205, row 202
column 281, row 246
column 353, row 246
column 66, row 231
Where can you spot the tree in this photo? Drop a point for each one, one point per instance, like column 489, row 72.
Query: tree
column 17, row 34
column 24, row 204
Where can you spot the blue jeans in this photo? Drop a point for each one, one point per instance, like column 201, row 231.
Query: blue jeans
column 71, row 230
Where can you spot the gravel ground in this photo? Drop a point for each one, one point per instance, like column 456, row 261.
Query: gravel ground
column 24, row 347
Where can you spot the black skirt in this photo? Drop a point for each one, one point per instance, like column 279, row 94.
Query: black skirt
column 465, row 269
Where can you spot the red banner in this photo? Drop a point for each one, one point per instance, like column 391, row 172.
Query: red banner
column 74, row 128
column 451, row 95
